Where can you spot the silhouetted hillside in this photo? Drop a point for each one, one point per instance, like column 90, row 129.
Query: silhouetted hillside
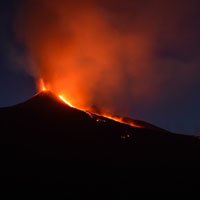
column 44, row 136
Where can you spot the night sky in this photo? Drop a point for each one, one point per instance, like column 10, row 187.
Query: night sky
column 176, row 59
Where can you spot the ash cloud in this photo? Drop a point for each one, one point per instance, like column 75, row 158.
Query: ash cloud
column 116, row 55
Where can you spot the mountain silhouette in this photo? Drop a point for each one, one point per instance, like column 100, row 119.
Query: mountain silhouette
column 45, row 137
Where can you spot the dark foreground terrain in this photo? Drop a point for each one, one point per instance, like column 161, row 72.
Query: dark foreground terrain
column 62, row 150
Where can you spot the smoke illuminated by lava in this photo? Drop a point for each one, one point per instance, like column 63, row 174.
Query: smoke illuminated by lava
column 102, row 56
column 78, row 53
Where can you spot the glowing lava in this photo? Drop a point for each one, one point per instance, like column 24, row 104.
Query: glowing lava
column 43, row 88
column 42, row 85
column 121, row 120
column 114, row 118
column 65, row 101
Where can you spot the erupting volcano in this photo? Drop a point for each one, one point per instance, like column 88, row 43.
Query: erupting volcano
column 48, row 135
column 120, row 119
column 94, row 63
column 47, row 125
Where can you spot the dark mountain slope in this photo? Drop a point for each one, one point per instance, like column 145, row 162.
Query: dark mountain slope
column 44, row 136
column 45, row 126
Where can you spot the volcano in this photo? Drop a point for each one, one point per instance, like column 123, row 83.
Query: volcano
column 46, row 127
column 43, row 132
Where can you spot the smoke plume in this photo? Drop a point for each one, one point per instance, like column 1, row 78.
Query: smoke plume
column 105, row 54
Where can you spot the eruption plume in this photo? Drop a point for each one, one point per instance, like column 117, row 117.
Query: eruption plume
column 109, row 56
column 78, row 52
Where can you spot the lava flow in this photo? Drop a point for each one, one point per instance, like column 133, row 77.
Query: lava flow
column 65, row 101
column 44, row 88
column 121, row 120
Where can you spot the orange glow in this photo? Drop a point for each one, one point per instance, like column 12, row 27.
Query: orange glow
column 92, row 63
column 78, row 56
column 42, row 85
column 91, row 114
column 81, row 56
column 120, row 119
column 115, row 118
column 43, row 88
column 65, row 101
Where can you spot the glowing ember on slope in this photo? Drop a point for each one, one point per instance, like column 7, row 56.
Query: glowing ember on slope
column 65, row 101
column 121, row 120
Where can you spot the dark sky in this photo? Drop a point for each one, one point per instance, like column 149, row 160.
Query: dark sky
column 177, row 60
column 15, row 85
